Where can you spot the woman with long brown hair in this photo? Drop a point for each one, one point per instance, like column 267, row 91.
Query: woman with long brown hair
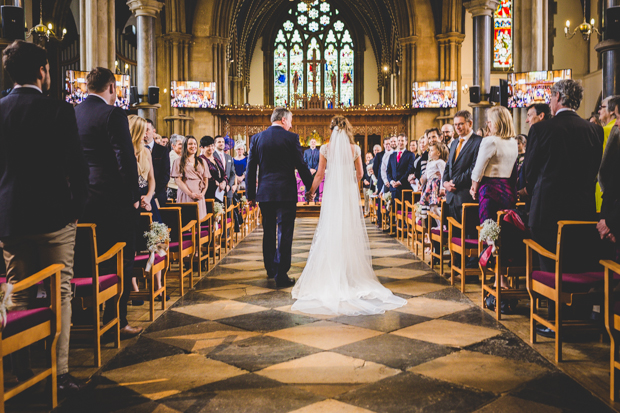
column 191, row 175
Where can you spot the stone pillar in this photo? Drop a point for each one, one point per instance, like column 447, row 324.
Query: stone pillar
column 482, row 13
column 610, row 54
column 146, row 11
column 97, row 37
column 450, row 66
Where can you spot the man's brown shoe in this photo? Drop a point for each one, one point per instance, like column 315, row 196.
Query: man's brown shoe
column 129, row 332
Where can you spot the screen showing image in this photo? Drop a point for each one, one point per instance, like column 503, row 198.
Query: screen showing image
column 434, row 95
column 199, row 95
column 76, row 89
column 527, row 88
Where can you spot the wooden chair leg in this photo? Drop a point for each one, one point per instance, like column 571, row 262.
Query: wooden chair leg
column 181, row 272
column 2, row 380
column 97, row 335
column 558, row 331
column 54, row 373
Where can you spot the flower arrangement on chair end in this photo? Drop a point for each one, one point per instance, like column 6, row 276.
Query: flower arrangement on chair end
column 387, row 198
column 489, row 234
column 157, row 242
column 6, row 293
column 218, row 211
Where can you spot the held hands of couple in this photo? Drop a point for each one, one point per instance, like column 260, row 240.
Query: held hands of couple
column 310, row 196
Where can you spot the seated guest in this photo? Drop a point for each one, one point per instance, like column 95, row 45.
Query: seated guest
column 241, row 164
column 493, row 179
column 311, row 157
column 192, row 176
column 176, row 144
column 146, row 176
column 217, row 180
column 555, row 146
column 43, row 190
column 161, row 164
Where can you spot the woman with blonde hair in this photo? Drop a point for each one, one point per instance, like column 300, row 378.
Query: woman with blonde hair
column 338, row 277
column 494, row 176
column 146, row 176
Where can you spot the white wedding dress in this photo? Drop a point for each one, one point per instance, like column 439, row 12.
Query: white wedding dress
column 338, row 277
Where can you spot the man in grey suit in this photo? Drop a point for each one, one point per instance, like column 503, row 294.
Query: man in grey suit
column 226, row 164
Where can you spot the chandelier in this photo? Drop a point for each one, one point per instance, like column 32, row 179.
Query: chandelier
column 584, row 28
column 44, row 31
column 309, row 3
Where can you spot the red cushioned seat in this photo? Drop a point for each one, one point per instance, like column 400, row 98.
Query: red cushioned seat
column 399, row 212
column 142, row 258
column 21, row 320
column 436, row 231
column 229, row 221
column 83, row 287
column 2, row 280
column 203, row 233
column 186, row 244
column 409, row 215
column 457, row 241
column 571, row 283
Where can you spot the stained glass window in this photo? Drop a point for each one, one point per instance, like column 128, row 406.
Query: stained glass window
column 502, row 43
column 314, row 54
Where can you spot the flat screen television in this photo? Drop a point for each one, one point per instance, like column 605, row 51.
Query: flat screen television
column 434, row 95
column 198, row 95
column 527, row 88
column 76, row 89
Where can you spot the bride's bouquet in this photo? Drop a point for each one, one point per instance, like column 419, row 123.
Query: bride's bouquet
column 157, row 241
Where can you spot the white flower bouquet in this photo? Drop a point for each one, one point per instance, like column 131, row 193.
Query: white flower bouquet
column 370, row 193
column 218, row 211
column 417, row 210
column 157, row 241
column 387, row 198
column 6, row 292
column 490, row 233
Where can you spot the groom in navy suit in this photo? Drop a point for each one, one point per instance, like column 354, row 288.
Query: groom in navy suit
column 277, row 153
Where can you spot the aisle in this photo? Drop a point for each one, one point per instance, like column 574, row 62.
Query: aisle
column 234, row 345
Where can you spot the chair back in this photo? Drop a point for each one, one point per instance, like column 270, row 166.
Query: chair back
column 512, row 249
column 189, row 212
column 581, row 248
column 471, row 220
column 85, row 251
column 144, row 225
column 171, row 216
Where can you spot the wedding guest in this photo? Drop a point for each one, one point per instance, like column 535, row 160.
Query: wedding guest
column 157, row 138
column 41, row 161
column 241, row 164
column 494, row 177
column 413, row 147
column 447, row 132
column 176, row 143
column 431, row 198
column 146, row 174
column 192, row 176
column 400, row 167
column 161, row 164
column 375, row 150
column 609, row 179
column 311, row 157
column 376, row 169
column 521, row 146
column 216, row 174
column 433, row 135
column 367, row 183
column 226, row 164
column 608, row 119
column 165, row 142
column 420, row 162
column 537, row 112
column 461, row 162
column 594, row 118
column 385, row 161
column 555, row 146
column 114, row 194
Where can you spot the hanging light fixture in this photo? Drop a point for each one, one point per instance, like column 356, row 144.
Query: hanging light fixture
column 584, row 28
column 309, row 3
column 44, row 31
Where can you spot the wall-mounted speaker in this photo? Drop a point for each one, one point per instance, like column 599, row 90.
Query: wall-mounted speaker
column 13, row 22
column 153, row 97
column 494, row 97
column 612, row 23
column 474, row 94
column 503, row 93
column 133, row 95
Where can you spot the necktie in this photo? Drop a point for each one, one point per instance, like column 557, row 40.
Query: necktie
column 458, row 148
column 398, row 157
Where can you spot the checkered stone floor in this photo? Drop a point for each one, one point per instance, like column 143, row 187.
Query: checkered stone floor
column 233, row 345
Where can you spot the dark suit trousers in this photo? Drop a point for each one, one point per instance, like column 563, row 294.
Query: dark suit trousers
column 278, row 220
column 115, row 223
column 547, row 238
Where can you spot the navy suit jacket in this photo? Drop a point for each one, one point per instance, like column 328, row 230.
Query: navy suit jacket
column 460, row 170
column 311, row 158
column 104, row 132
column 376, row 169
column 161, row 169
column 400, row 171
column 43, row 174
column 277, row 153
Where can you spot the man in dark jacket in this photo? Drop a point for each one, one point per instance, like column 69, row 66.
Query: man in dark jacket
column 114, row 195
column 609, row 179
column 43, row 189
column 161, row 164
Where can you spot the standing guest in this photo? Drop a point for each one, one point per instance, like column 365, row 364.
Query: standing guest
column 494, row 177
column 461, row 162
column 554, row 148
column 537, row 112
column 607, row 114
column 375, row 150
column 594, row 118
column 609, row 179
column 311, row 157
column 241, row 164
column 226, row 164
column 413, row 147
column 161, row 164
column 157, row 138
column 433, row 135
column 192, row 176
column 385, row 161
column 40, row 158
column 447, row 131
column 521, row 146
column 420, row 162
column 276, row 153
column 481, row 132
column 165, row 142
column 216, row 174
column 176, row 145
column 367, row 183
column 146, row 175
column 400, row 167
column 430, row 199
column 376, row 169
column 114, row 194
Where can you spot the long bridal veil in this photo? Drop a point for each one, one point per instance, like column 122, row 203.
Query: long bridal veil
column 338, row 277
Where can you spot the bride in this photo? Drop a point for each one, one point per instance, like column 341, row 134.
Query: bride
column 338, row 278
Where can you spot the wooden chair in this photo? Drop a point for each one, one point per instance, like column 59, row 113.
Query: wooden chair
column 204, row 231
column 372, row 210
column 180, row 248
column 510, row 262
column 577, row 272
column 160, row 264
column 91, row 289
column 216, row 238
column 399, row 215
column 228, row 225
column 410, row 217
column 386, row 223
column 26, row 327
column 438, row 235
column 612, row 323
column 459, row 243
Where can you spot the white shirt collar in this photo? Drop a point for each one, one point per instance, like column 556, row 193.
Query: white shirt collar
column 29, row 87
column 466, row 137
column 564, row 110
column 100, row 97
column 150, row 145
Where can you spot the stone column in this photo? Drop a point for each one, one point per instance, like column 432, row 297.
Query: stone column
column 482, row 13
column 450, row 66
column 610, row 53
column 146, row 11
column 97, row 37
